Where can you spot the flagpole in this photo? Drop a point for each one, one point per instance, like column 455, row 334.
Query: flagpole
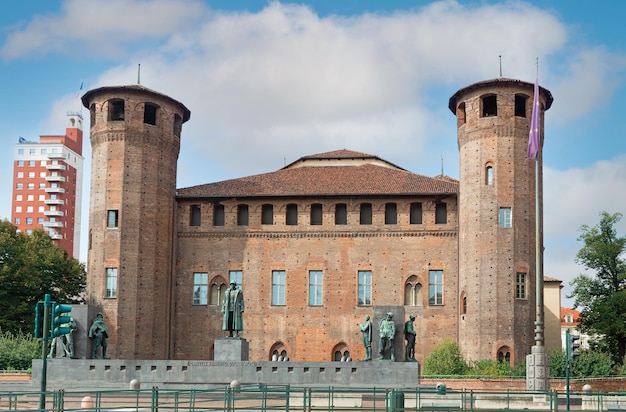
column 539, row 338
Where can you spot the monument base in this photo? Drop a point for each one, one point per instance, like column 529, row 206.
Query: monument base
column 231, row 349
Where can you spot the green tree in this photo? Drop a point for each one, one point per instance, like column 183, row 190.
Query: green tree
column 445, row 359
column 31, row 266
column 603, row 298
column 556, row 358
column 592, row 364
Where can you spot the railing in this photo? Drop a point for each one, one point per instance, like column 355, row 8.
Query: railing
column 286, row 398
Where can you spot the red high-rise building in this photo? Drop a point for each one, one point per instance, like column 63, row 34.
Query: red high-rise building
column 47, row 185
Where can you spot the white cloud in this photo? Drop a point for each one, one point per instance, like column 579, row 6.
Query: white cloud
column 573, row 198
column 101, row 28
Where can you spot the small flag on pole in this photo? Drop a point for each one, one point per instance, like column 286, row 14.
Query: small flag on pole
column 79, row 90
column 534, row 136
column 21, row 140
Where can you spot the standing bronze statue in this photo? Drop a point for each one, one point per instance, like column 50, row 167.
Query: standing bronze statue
column 232, row 308
column 409, row 336
column 99, row 332
column 366, row 329
column 387, row 332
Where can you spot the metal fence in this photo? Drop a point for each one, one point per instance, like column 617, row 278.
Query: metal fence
column 287, row 398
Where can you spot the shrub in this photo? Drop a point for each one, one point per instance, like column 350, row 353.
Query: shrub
column 446, row 359
column 18, row 350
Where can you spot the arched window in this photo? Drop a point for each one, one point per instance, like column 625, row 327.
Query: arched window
column 218, row 215
column 316, row 214
column 341, row 353
column 504, row 355
column 441, row 213
column 391, row 214
column 218, row 287
column 278, row 352
column 150, row 114
column 412, row 292
column 341, row 214
column 489, row 175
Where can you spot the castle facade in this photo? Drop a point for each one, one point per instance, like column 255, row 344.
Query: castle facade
column 317, row 245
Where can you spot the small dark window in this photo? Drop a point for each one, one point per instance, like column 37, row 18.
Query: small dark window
column 341, row 214
column 316, row 214
column 150, row 114
column 92, row 114
column 441, row 214
column 116, row 110
column 178, row 125
column 460, row 115
column 112, row 218
column 391, row 214
column 194, row 215
column 267, row 215
column 490, row 105
column 365, row 217
column 520, row 105
column 218, row 215
column 416, row 213
column 242, row 215
column 292, row 214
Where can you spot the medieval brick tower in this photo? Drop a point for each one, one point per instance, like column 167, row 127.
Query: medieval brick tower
column 135, row 138
column 497, row 218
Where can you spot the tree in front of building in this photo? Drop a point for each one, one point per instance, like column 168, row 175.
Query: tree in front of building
column 31, row 266
column 602, row 297
column 445, row 360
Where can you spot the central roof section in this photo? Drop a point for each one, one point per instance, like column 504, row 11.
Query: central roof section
column 336, row 173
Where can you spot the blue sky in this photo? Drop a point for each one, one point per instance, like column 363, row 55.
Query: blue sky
column 269, row 82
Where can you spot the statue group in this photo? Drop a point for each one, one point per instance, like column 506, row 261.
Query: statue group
column 98, row 332
column 387, row 333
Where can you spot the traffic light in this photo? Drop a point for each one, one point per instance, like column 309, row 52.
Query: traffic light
column 39, row 314
column 572, row 345
column 59, row 318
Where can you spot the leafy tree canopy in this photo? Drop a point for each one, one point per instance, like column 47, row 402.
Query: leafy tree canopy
column 445, row 359
column 31, row 266
column 602, row 298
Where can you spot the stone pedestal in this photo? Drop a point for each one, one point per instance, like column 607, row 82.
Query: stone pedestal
column 537, row 370
column 231, row 349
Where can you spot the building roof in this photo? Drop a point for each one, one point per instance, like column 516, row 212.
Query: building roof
column 136, row 88
column 336, row 173
column 575, row 316
column 452, row 103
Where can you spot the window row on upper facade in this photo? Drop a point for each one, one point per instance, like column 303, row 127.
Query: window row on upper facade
column 210, row 291
column 316, row 214
column 116, row 112
column 489, row 107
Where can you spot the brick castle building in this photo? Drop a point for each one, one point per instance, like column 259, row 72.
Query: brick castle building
column 317, row 245
column 47, row 185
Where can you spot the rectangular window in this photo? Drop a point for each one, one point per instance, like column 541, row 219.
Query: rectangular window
column 267, row 215
column 20, row 163
column 194, row 215
column 365, row 287
column 416, row 214
column 218, row 215
column 19, row 186
column 242, row 215
column 505, row 217
column 391, row 214
column 441, row 214
column 40, row 220
column 20, row 175
column 278, row 287
column 18, row 220
column 111, row 283
column 29, row 220
column 200, row 288
column 236, row 276
column 341, row 214
column 520, row 285
column 18, row 198
column 112, row 218
column 44, row 151
column 292, row 215
column 435, row 287
column 150, row 114
column 18, row 209
column 31, row 163
column 315, row 287
column 365, row 217
column 20, row 152
column 31, row 186
column 316, row 214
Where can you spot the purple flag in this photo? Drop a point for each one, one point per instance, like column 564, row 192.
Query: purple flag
column 534, row 136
